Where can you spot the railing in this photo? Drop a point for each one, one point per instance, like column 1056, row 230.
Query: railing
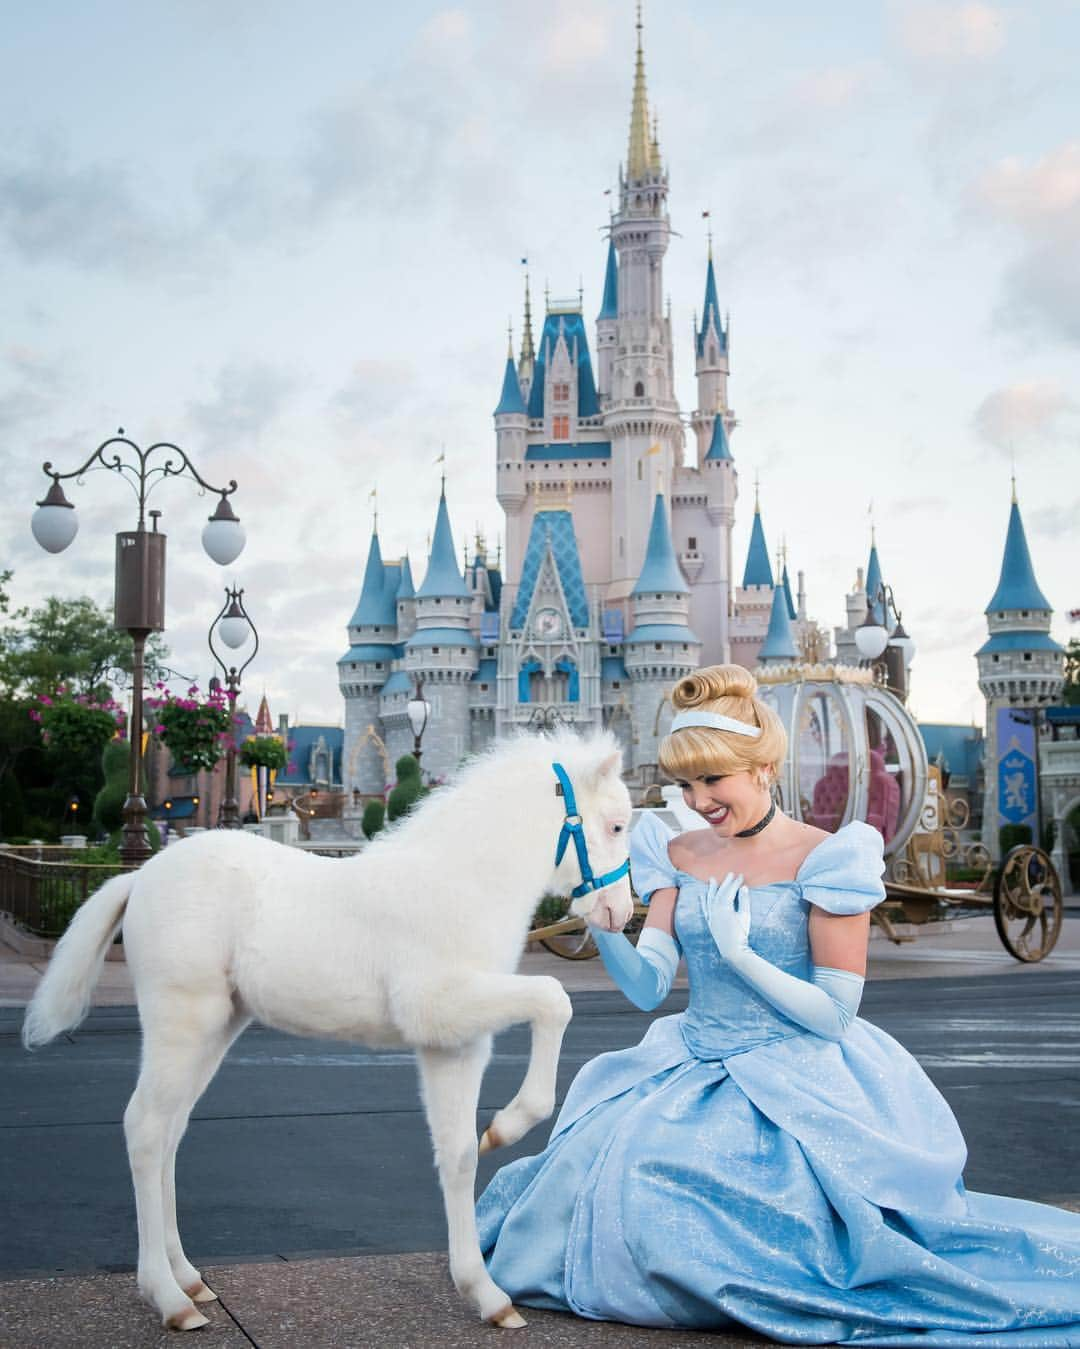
column 41, row 896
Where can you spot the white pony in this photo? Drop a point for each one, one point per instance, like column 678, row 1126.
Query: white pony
column 228, row 927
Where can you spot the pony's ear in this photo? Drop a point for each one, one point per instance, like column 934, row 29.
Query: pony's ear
column 610, row 765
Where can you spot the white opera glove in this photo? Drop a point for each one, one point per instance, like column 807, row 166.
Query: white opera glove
column 644, row 972
column 826, row 1006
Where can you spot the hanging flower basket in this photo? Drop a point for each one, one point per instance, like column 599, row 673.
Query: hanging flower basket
column 196, row 730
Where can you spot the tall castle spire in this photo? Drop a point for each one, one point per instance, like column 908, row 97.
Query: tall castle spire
column 640, row 156
column 528, row 352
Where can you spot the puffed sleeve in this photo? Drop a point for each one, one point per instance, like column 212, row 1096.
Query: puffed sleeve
column 650, row 866
column 843, row 873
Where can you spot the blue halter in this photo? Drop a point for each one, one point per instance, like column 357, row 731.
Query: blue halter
column 572, row 829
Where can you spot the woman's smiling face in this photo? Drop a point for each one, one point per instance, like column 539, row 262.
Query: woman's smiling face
column 728, row 804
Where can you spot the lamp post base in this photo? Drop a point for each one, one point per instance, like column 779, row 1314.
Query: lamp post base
column 230, row 807
column 135, row 841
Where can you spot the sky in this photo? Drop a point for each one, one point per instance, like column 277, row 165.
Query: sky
column 289, row 238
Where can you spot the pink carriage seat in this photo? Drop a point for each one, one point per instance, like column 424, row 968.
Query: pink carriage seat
column 883, row 804
column 830, row 796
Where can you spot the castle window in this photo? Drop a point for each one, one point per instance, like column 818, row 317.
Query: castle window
column 438, row 601
column 996, row 659
column 560, row 427
column 615, row 684
column 611, row 651
column 657, row 645
column 1023, row 613
column 1027, row 655
column 639, row 390
column 483, row 688
column 560, row 393
column 691, row 544
column 639, row 470
column 434, row 650
column 463, row 651
column 378, row 665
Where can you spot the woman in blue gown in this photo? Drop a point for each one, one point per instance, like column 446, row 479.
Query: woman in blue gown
column 738, row 1168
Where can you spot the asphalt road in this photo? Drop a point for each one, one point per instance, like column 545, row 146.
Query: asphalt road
column 304, row 1148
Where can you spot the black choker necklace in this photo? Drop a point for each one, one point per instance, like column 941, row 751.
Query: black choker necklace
column 757, row 828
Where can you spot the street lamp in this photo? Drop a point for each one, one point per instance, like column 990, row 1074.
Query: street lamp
column 890, row 654
column 418, row 710
column 140, row 575
column 233, row 626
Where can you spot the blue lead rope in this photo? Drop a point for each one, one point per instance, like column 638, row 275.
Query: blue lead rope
column 572, row 829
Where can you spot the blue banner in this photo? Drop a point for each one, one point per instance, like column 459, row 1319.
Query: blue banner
column 1016, row 775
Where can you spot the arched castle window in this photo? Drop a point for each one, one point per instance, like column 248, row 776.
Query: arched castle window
column 639, row 390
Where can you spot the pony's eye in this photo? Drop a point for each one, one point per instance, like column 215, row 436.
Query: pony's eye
column 616, row 828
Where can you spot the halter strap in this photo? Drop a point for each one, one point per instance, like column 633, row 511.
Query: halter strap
column 572, row 829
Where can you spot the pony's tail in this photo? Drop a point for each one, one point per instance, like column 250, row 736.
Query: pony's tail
column 62, row 998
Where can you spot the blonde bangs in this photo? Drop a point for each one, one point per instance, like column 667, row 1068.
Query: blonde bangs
column 698, row 751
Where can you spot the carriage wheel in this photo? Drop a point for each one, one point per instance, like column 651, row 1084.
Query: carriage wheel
column 1027, row 903
column 580, row 945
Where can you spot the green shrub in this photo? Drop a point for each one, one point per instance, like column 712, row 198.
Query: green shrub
column 1012, row 836
column 109, row 802
column 373, row 818
column 12, row 808
column 408, row 789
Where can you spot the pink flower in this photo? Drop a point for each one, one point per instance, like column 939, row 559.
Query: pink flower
column 159, row 729
column 35, row 715
column 46, row 700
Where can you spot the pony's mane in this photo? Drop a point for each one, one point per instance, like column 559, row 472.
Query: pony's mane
column 472, row 781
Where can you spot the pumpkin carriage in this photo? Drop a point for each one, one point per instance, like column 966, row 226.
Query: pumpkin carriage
column 855, row 753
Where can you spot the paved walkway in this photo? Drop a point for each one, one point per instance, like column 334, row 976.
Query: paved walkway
column 402, row 1301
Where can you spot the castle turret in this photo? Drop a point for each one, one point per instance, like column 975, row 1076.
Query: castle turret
column 606, row 323
column 643, row 414
column 711, row 368
column 661, row 647
column 754, row 598
column 1021, row 668
column 443, row 651
column 779, row 646
column 511, row 423
column 365, row 668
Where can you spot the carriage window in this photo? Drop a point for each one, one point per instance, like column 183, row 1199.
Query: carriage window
column 823, row 761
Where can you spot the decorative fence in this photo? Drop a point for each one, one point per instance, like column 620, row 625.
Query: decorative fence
column 40, row 891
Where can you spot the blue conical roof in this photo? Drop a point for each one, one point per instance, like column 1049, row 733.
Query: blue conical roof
column 609, row 309
column 443, row 576
column 661, row 570
column 1017, row 587
column 793, row 613
column 718, row 446
column 779, row 641
column 372, row 607
column 405, row 590
column 710, row 313
column 873, row 582
column 510, row 399
column 758, row 569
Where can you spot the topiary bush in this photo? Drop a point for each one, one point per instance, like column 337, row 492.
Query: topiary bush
column 109, row 802
column 408, row 789
column 373, row 818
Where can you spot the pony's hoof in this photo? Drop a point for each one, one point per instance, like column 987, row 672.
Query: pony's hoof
column 489, row 1140
column 509, row 1319
column 187, row 1320
column 199, row 1292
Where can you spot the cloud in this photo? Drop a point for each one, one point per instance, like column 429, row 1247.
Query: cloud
column 1033, row 415
column 91, row 215
column 247, row 398
column 34, row 382
column 1055, row 522
column 374, row 390
column 943, row 37
column 1040, row 203
column 835, row 88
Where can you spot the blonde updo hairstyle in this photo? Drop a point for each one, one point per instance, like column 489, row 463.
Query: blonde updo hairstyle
column 697, row 751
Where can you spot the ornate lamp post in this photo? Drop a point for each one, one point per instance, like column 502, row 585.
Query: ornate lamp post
column 890, row 654
column 418, row 710
column 140, row 574
column 233, row 626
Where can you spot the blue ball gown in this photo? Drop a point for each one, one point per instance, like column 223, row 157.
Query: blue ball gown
column 735, row 1170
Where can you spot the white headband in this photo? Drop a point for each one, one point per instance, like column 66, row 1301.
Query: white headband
column 716, row 721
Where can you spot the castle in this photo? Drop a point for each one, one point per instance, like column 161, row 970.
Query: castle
column 617, row 576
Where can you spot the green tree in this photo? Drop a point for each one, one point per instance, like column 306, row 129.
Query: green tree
column 1072, row 672
column 372, row 819
column 65, row 642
